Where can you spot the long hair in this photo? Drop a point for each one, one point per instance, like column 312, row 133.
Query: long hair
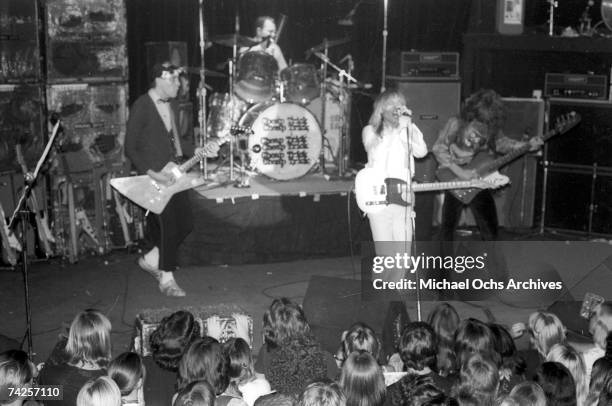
column 173, row 335
column 362, row 380
column 546, row 330
column 240, row 366
column 445, row 320
column 557, row 383
column 418, row 347
column 127, row 370
column 505, row 347
column 360, row 337
column 484, row 106
column 204, row 359
column 473, row 337
column 573, row 361
column 600, row 374
column 16, row 370
column 89, row 339
column 322, row 394
column 480, row 377
column 197, row 393
column 382, row 101
column 529, row 393
column 284, row 320
column 102, row 391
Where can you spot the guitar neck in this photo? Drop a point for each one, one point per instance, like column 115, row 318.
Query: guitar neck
column 430, row 187
column 185, row 166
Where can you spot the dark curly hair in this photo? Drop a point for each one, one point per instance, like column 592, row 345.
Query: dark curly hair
column 204, row 359
column 173, row 335
column 282, row 321
column 294, row 365
column 487, row 107
column 419, row 390
column 418, row 347
column 558, row 384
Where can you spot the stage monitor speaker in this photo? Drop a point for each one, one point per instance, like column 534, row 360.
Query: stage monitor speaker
column 332, row 305
column 515, row 202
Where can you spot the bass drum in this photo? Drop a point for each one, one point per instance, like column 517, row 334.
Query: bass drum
column 334, row 122
column 286, row 139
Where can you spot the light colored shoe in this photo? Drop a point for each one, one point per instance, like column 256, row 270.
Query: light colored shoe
column 145, row 266
column 171, row 288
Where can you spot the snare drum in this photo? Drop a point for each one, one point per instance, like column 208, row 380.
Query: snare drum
column 303, row 83
column 286, row 139
column 256, row 77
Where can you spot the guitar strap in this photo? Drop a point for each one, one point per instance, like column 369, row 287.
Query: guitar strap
column 175, row 135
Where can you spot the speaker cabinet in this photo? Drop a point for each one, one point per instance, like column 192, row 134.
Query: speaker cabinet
column 515, row 202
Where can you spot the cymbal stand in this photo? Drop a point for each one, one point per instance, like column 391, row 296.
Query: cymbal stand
column 346, row 124
column 203, row 136
column 384, row 50
column 322, row 95
column 232, row 73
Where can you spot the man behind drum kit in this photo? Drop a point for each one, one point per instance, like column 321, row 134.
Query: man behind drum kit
column 265, row 35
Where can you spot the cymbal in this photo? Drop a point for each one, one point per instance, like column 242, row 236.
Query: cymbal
column 330, row 43
column 228, row 40
column 194, row 70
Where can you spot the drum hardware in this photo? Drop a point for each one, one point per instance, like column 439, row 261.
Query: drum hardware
column 229, row 40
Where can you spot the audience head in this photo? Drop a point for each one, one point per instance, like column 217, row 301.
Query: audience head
column 605, row 397
column 418, row 347
column 529, row 393
column 16, row 371
column 102, row 391
column 557, row 383
column 322, row 394
column 507, row 401
column 89, row 341
column 600, row 333
column 127, row 371
column 295, row 365
column 284, row 320
column 362, row 380
column 481, row 376
column 505, row 347
column 358, row 337
column 600, row 375
column 573, row 361
column 204, row 360
column 419, row 390
column 444, row 320
column 173, row 335
column 197, row 393
column 546, row 330
column 240, row 367
column 602, row 313
column 473, row 337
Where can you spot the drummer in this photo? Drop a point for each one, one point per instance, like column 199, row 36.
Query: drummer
column 265, row 36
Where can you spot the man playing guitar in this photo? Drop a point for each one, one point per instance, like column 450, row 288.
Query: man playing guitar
column 477, row 128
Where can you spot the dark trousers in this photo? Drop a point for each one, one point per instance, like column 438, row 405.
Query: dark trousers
column 483, row 209
column 168, row 230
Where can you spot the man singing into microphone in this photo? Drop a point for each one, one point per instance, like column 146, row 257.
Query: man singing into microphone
column 265, row 35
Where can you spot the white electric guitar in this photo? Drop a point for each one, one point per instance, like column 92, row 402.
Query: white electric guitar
column 374, row 191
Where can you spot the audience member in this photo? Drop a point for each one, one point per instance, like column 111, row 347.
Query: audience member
column 529, row 393
column 196, row 393
column 572, row 360
column 545, row 330
column 557, row 383
column 168, row 343
column 16, row 371
column 600, row 374
column 511, row 366
column 128, row 372
column 360, row 336
column 479, row 379
column 88, row 350
column 102, row 391
column 473, row 337
column 445, row 320
column 600, row 334
column 362, row 380
column 324, row 393
column 241, row 372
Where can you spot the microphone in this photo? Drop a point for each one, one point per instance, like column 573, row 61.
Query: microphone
column 403, row 111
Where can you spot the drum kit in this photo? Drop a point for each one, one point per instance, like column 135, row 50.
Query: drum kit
column 297, row 119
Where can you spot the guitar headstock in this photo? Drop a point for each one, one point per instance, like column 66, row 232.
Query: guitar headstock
column 566, row 122
column 491, row 181
column 241, row 130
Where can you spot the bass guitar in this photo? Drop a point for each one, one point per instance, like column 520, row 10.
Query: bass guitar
column 153, row 196
column 483, row 163
column 374, row 191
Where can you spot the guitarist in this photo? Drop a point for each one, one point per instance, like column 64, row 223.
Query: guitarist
column 152, row 140
column 391, row 141
column 478, row 128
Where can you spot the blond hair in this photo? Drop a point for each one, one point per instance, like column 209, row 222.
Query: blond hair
column 547, row 330
column 89, row 339
column 102, row 391
column 573, row 361
column 385, row 98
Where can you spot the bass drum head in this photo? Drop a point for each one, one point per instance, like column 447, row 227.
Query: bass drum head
column 286, row 139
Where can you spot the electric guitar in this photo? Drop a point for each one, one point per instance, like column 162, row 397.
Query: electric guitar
column 374, row 192
column 42, row 226
column 153, row 196
column 484, row 164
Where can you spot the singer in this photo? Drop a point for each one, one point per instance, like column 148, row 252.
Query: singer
column 392, row 141
column 265, row 36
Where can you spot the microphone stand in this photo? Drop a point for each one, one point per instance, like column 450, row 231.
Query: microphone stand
column 21, row 211
column 384, row 54
column 203, row 138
